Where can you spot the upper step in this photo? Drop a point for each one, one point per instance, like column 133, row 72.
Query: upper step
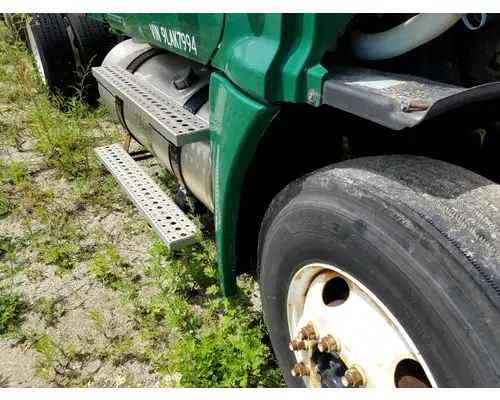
column 175, row 229
column 173, row 122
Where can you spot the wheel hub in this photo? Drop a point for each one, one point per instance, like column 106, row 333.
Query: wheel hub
column 330, row 368
column 345, row 337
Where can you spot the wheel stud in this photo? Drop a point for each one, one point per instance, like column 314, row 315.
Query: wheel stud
column 353, row 377
column 308, row 332
column 299, row 370
column 328, row 344
column 296, row 345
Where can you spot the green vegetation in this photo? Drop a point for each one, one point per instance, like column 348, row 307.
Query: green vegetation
column 9, row 308
column 169, row 314
column 217, row 344
column 50, row 310
column 107, row 265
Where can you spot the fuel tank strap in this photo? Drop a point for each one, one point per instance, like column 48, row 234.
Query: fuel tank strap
column 174, row 155
column 132, row 67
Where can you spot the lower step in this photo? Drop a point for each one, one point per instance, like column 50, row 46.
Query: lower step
column 174, row 227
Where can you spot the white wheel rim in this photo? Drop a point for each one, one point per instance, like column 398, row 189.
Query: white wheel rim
column 368, row 334
column 36, row 54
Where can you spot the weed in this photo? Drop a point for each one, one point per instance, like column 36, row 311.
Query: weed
column 7, row 271
column 61, row 255
column 5, row 245
column 107, row 265
column 219, row 343
column 227, row 351
column 61, row 139
column 59, row 128
column 56, row 362
column 47, row 352
column 122, row 351
column 4, row 205
column 98, row 320
column 12, row 132
column 18, row 72
column 183, row 270
column 56, row 239
column 96, row 189
column 35, row 274
column 10, row 306
column 15, row 172
column 35, row 197
column 50, row 310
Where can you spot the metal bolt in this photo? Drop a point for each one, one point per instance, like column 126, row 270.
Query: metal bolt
column 328, row 344
column 312, row 96
column 353, row 377
column 296, row 345
column 299, row 370
column 308, row 332
column 407, row 105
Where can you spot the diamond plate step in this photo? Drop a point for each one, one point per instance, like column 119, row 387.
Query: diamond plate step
column 171, row 224
column 173, row 122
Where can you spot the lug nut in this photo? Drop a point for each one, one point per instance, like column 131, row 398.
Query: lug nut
column 296, row 345
column 328, row 344
column 308, row 333
column 353, row 377
column 299, row 370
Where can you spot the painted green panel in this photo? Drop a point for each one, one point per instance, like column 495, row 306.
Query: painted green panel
column 192, row 35
column 236, row 126
column 276, row 57
column 99, row 17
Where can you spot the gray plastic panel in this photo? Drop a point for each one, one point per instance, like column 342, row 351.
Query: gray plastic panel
column 171, row 224
column 172, row 121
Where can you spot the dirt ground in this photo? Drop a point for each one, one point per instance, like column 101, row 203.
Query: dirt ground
column 74, row 294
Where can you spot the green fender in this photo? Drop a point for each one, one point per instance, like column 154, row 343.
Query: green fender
column 263, row 60
column 236, row 125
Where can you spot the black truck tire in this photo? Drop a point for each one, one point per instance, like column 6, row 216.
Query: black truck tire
column 48, row 41
column 91, row 38
column 421, row 236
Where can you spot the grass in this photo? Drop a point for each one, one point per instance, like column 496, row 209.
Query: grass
column 10, row 305
column 50, row 310
column 174, row 319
